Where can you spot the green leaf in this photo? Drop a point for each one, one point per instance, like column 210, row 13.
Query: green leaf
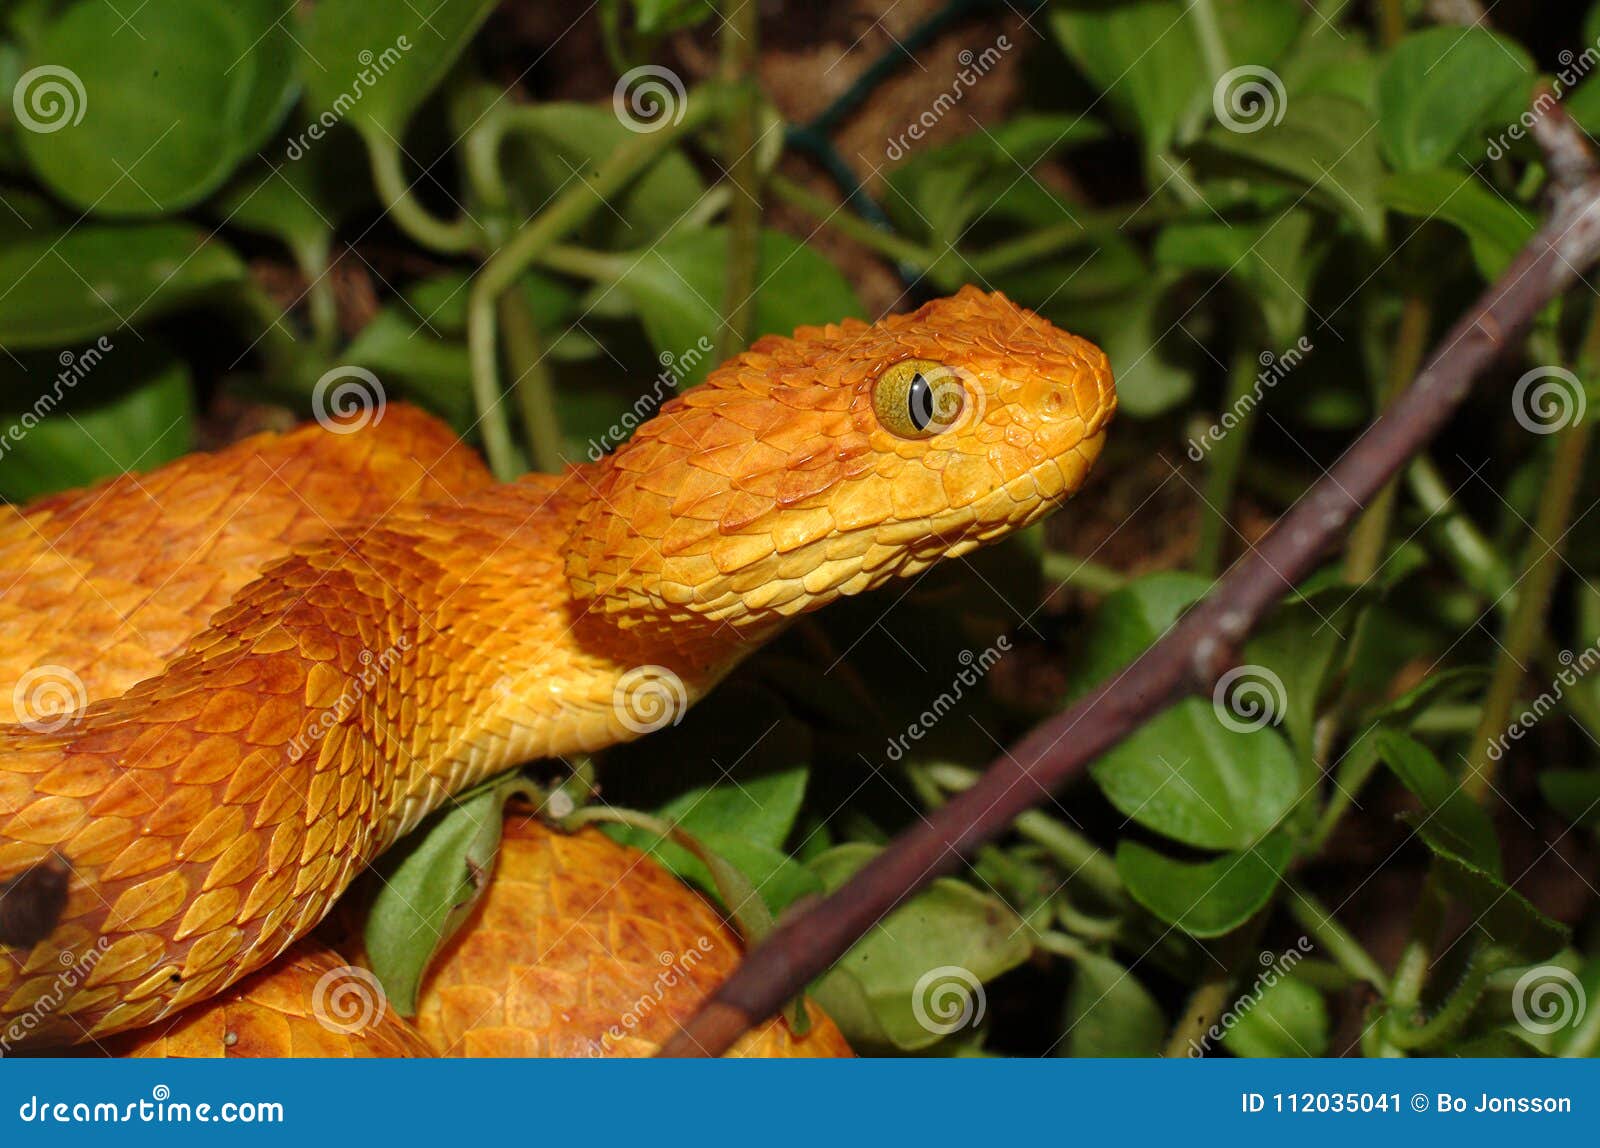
column 1439, row 85
column 1289, row 1018
column 1272, row 262
column 374, row 64
column 1453, row 818
column 66, row 286
column 431, row 881
column 1327, row 145
column 917, row 976
column 1208, row 898
column 1505, row 917
column 71, row 420
column 677, row 286
column 1496, row 228
column 157, row 109
column 1147, row 58
column 746, row 822
column 564, row 138
column 1141, row 55
column 1109, row 1013
column 432, row 371
column 1185, row 773
column 1147, row 347
column 939, row 192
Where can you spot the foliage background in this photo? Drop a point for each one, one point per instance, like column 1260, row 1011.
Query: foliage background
column 1359, row 198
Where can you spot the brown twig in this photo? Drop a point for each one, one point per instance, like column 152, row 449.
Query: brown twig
column 1195, row 653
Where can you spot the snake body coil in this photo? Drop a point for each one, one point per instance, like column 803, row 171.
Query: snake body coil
column 278, row 658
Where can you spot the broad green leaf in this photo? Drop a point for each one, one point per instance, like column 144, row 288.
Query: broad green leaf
column 746, row 822
column 62, row 287
column 431, row 881
column 1451, row 816
column 1496, row 228
column 1327, row 145
column 1185, row 774
column 939, row 192
column 1147, row 58
column 566, row 138
column 1150, row 355
column 1329, row 63
column 1109, row 1013
column 677, row 286
column 918, row 976
column 1141, row 55
column 1207, row 898
column 1440, row 84
column 1272, row 262
column 72, row 419
column 154, row 111
column 432, row 371
column 1286, row 1018
column 374, row 64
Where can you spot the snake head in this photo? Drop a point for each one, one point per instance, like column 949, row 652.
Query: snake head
column 827, row 463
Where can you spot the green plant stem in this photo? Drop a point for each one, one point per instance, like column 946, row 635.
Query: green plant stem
column 848, row 223
column 1345, row 951
column 388, row 174
column 1455, row 1011
column 1391, row 22
column 740, row 29
column 1070, row 570
column 1082, row 858
column 289, row 370
column 535, row 240
column 1367, row 540
column 531, row 383
column 1526, row 629
column 1476, row 560
column 584, row 262
column 1411, row 970
column 1226, row 458
column 1209, row 33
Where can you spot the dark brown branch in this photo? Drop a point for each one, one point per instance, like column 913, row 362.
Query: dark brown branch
column 1195, row 653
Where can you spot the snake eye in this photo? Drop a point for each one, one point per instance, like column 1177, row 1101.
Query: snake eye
column 918, row 398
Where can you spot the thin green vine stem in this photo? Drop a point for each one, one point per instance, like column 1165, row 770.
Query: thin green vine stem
column 1226, row 458
column 1076, row 853
column 1364, row 557
column 388, row 174
column 739, row 39
column 1337, row 941
column 1212, row 48
column 1070, row 570
column 531, row 383
column 1525, row 630
column 848, row 223
column 533, row 241
column 1474, row 557
column 1457, row 1008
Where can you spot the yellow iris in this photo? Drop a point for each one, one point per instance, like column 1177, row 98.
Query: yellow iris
column 918, row 398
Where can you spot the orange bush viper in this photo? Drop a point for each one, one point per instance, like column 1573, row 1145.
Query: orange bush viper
column 292, row 650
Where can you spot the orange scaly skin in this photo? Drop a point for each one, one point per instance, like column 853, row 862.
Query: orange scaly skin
column 583, row 947
column 309, row 1004
column 211, row 813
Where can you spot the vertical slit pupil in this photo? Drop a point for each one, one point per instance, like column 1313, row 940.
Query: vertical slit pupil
column 919, row 402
